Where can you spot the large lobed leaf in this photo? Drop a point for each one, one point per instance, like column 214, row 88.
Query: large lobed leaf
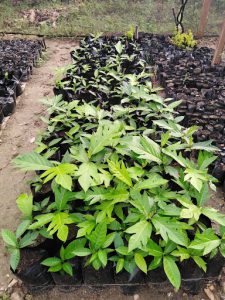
column 32, row 162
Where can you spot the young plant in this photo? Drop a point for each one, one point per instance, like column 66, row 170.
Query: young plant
column 15, row 243
column 62, row 263
column 184, row 40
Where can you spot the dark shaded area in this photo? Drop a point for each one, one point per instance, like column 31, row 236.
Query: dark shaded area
column 17, row 59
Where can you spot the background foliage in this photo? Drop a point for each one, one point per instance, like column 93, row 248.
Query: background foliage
column 85, row 16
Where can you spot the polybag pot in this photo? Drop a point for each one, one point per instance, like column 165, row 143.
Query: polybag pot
column 3, row 91
column 30, row 271
column 1, row 114
column 192, row 276
column 130, row 283
column 52, row 246
column 215, row 266
column 156, row 276
column 97, row 279
column 43, row 193
column 8, row 106
column 18, row 89
column 67, row 283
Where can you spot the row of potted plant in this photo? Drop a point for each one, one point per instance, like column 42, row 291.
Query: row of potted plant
column 122, row 185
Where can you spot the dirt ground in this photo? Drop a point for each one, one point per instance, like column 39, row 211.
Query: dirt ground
column 18, row 137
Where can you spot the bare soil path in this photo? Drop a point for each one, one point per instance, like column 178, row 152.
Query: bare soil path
column 18, row 137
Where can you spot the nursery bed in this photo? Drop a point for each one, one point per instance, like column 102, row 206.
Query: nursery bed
column 87, row 276
column 17, row 59
column 120, row 101
column 188, row 75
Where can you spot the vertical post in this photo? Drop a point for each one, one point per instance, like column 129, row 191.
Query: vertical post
column 204, row 17
column 220, row 46
column 136, row 32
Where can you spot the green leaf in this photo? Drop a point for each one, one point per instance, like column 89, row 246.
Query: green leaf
column 67, row 268
column 28, row 239
column 76, row 248
column 96, row 264
column 102, row 255
column 130, row 266
column 32, row 162
column 205, row 159
column 62, row 253
column 88, row 175
column 59, row 224
column 205, row 241
column 22, row 227
column 25, row 204
column 107, row 134
column 206, row 145
column 144, row 203
column 178, row 158
column 64, row 180
column 154, row 249
column 62, row 174
column 222, row 248
column 172, row 271
column 14, row 259
column 141, row 233
column 135, row 172
column 62, row 196
column 192, row 211
column 86, row 228
column 123, row 250
column 155, row 263
column 119, row 265
column 41, row 220
column 9, row 238
column 196, row 178
column 119, row 47
column 214, row 215
column 132, row 218
column 63, row 232
column 174, row 172
column 140, row 262
column 146, row 149
column 164, row 138
column 172, row 229
column 51, row 261
column 154, row 181
column 119, row 170
column 109, row 239
column 203, row 195
column 56, row 268
column 182, row 253
column 174, row 128
column 98, row 236
column 81, row 252
column 200, row 262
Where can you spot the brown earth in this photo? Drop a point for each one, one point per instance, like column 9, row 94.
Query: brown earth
column 18, row 137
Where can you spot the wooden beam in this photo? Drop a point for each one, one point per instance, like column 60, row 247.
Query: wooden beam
column 136, row 35
column 204, row 17
column 220, row 46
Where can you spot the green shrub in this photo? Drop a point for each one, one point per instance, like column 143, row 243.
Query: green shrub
column 184, row 40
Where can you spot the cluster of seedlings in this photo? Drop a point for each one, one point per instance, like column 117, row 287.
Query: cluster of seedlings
column 17, row 59
column 121, row 187
column 189, row 75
